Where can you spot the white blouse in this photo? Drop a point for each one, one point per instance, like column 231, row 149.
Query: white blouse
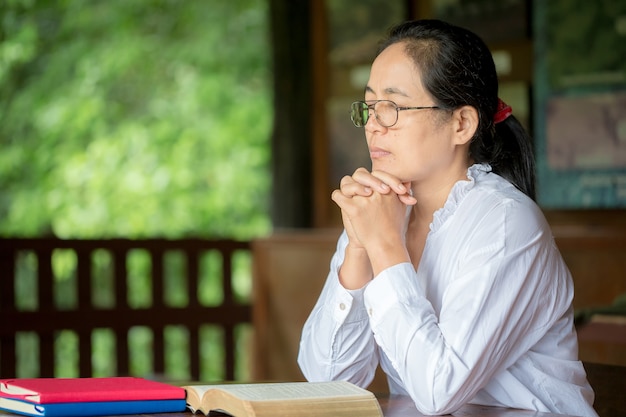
column 487, row 318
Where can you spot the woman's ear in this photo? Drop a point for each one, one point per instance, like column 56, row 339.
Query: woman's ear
column 466, row 123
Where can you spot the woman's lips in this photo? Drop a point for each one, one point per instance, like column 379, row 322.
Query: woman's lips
column 378, row 153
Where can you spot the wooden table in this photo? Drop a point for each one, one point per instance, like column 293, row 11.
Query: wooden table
column 608, row 381
column 395, row 406
column 404, row 407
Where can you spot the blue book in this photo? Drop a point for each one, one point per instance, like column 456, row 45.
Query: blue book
column 86, row 409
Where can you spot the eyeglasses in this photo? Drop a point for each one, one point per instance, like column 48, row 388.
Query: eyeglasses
column 385, row 111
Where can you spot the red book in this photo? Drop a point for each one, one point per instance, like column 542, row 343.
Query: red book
column 68, row 390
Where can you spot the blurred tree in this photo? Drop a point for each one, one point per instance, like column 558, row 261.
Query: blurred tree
column 134, row 118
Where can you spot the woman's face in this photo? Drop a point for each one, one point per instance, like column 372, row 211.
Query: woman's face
column 420, row 146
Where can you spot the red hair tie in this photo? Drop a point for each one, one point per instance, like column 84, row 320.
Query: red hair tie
column 504, row 111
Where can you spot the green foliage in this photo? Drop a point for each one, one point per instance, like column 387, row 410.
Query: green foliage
column 134, row 118
column 585, row 43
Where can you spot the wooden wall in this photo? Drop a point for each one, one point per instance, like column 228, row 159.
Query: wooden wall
column 593, row 244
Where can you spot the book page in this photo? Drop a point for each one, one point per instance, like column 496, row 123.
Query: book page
column 20, row 407
column 288, row 390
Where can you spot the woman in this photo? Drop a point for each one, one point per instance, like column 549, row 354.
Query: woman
column 446, row 274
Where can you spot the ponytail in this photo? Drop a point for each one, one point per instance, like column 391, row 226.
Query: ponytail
column 513, row 156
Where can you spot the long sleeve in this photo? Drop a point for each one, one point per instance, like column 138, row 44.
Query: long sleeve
column 337, row 342
column 495, row 308
column 487, row 317
column 485, row 300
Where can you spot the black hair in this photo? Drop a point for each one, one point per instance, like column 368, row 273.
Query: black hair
column 457, row 70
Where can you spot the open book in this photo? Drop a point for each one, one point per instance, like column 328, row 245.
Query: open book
column 294, row 399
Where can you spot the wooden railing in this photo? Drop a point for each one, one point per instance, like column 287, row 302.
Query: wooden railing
column 47, row 318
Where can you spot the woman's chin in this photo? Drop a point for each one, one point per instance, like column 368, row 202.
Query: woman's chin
column 388, row 168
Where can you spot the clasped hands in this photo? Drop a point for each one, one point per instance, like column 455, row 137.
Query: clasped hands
column 373, row 208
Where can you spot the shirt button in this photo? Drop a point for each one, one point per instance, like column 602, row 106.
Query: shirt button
column 342, row 306
column 370, row 312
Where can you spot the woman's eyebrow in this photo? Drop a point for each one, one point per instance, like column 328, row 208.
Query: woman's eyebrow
column 388, row 90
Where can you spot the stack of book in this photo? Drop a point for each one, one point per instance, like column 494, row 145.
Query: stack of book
column 89, row 396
